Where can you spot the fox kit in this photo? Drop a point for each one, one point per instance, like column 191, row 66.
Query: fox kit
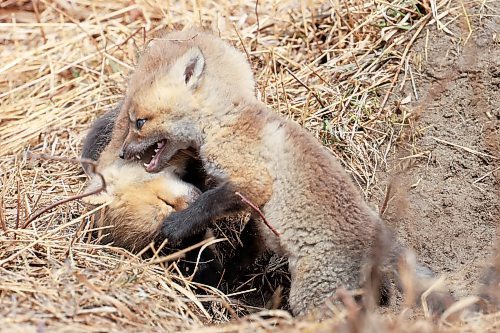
column 140, row 198
column 138, row 201
column 177, row 98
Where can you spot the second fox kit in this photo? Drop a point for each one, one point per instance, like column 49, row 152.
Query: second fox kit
column 176, row 99
column 138, row 201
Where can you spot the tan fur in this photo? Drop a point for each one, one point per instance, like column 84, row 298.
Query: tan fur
column 327, row 230
column 138, row 202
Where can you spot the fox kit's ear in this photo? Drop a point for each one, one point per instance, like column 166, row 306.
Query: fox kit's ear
column 98, row 199
column 190, row 66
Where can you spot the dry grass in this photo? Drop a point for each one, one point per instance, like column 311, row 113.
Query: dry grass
column 335, row 67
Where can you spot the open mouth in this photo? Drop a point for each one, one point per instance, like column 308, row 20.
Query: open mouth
column 153, row 154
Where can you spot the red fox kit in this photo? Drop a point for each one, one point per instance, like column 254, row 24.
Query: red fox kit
column 177, row 98
column 140, row 201
column 137, row 202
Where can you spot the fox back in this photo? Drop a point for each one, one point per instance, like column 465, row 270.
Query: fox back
column 178, row 99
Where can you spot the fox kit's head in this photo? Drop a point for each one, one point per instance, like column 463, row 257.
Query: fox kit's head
column 162, row 114
column 177, row 89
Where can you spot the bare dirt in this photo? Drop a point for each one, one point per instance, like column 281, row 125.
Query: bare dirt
column 450, row 211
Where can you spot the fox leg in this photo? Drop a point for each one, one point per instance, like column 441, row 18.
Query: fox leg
column 315, row 279
column 213, row 204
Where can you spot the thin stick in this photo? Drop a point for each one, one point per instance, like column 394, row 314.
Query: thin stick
column 243, row 45
column 37, row 16
column 486, row 175
column 2, row 217
column 18, row 205
column 305, row 86
column 388, row 193
column 472, row 151
column 128, row 38
column 248, row 202
column 176, row 255
column 258, row 22
column 173, row 39
column 92, row 165
column 423, row 23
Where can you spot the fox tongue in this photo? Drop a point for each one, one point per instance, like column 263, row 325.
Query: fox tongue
column 151, row 166
column 154, row 161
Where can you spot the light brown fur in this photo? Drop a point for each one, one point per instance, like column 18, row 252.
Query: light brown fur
column 138, row 201
column 327, row 229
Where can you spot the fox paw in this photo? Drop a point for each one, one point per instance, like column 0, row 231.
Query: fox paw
column 174, row 229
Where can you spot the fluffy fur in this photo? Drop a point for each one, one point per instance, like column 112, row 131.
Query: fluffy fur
column 138, row 201
column 327, row 231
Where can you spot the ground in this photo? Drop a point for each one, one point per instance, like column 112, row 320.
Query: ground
column 452, row 204
column 429, row 134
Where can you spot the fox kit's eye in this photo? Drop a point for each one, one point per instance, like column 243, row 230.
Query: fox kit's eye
column 139, row 123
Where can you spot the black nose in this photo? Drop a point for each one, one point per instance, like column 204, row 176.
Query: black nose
column 122, row 154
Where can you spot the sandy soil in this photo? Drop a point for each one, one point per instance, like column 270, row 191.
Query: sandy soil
column 451, row 208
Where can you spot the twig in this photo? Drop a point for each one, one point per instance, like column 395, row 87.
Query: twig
column 486, row 175
column 119, row 46
column 423, row 23
column 258, row 22
column 469, row 150
column 249, row 203
column 3, row 225
column 18, row 205
column 387, row 197
column 469, row 25
column 37, row 16
column 175, row 255
column 243, row 45
column 178, row 40
column 93, row 170
column 305, row 86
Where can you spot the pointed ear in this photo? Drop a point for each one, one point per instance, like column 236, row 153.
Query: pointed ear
column 98, row 199
column 191, row 66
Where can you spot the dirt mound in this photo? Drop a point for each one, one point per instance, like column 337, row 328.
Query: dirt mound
column 453, row 200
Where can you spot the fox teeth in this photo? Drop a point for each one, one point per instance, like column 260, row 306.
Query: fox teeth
column 156, row 150
column 138, row 157
column 160, row 144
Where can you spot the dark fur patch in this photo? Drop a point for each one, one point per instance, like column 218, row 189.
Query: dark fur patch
column 99, row 135
column 211, row 205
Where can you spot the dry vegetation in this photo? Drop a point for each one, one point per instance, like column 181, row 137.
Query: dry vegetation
column 334, row 66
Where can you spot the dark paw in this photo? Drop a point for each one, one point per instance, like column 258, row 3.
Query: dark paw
column 173, row 228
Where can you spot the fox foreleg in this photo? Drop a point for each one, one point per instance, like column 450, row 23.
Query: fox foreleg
column 211, row 205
